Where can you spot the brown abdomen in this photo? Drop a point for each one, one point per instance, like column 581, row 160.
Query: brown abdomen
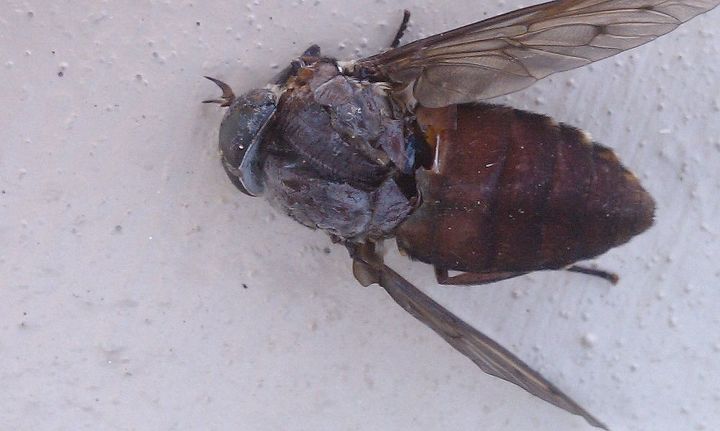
column 515, row 191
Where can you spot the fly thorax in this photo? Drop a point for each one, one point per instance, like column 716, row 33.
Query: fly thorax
column 341, row 128
column 335, row 151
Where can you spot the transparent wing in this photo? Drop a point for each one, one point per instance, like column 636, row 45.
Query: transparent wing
column 510, row 52
column 479, row 348
column 483, row 351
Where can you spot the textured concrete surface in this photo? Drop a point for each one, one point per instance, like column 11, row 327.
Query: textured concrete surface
column 140, row 291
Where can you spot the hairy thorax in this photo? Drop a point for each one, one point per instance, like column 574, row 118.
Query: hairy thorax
column 335, row 153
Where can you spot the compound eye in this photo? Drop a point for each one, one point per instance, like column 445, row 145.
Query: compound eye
column 241, row 135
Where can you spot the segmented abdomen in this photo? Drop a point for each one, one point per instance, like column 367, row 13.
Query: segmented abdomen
column 515, row 191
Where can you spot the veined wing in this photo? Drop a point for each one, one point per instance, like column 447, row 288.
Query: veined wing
column 509, row 52
column 490, row 356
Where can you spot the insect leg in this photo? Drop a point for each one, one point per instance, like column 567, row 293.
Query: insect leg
column 472, row 278
column 609, row 276
column 401, row 31
column 366, row 262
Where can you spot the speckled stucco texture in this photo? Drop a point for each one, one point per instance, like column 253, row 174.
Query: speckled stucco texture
column 141, row 291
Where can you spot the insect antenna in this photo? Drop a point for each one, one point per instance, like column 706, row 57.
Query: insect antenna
column 227, row 98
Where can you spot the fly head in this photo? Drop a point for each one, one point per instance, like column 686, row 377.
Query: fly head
column 241, row 133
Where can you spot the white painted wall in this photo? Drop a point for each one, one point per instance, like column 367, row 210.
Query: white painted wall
column 125, row 251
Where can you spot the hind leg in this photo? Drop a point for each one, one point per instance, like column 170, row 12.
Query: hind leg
column 473, row 278
column 606, row 275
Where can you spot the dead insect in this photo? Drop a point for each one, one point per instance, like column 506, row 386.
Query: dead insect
column 397, row 145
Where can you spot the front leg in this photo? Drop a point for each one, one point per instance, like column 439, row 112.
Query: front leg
column 401, row 31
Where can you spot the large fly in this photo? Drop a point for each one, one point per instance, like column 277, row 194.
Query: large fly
column 401, row 145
